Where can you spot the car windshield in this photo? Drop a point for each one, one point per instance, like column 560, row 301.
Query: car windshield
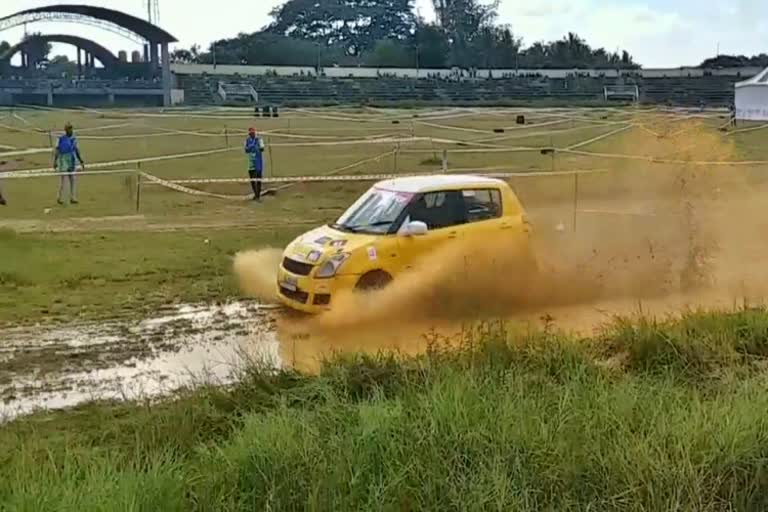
column 375, row 212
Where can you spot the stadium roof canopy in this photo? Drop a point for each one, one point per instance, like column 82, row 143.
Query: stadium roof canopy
column 759, row 79
column 106, row 57
column 120, row 22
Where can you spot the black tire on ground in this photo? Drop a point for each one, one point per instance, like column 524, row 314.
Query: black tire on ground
column 374, row 280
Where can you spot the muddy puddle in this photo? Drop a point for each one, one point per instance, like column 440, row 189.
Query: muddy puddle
column 181, row 347
column 191, row 345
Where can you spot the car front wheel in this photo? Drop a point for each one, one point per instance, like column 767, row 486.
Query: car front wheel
column 372, row 281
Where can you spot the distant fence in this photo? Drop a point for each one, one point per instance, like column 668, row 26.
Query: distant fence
column 372, row 72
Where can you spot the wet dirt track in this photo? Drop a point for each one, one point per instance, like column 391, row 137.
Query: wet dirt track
column 183, row 346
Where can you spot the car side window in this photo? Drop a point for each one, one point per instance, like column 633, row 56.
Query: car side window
column 482, row 204
column 438, row 209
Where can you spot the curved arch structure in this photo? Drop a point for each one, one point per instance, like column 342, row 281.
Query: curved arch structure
column 106, row 57
column 154, row 39
column 120, row 22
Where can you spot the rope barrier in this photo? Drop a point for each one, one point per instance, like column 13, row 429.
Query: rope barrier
column 535, row 134
column 22, row 152
column 655, row 160
column 43, row 174
column 373, row 177
column 134, row 161
column 600, row 137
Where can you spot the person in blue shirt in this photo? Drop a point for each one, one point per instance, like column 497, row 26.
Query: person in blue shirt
column 65, row 159
column 254, row 148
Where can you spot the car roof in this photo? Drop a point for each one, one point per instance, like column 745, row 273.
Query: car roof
column 416, row 184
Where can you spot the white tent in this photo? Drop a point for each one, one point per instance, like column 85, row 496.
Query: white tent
column 752, row 98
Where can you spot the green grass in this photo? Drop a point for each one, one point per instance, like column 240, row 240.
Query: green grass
column 646, row 416
column 115, row 195
column 79, row 275
column 48, row 275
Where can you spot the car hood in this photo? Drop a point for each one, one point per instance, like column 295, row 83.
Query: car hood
column 319, row 244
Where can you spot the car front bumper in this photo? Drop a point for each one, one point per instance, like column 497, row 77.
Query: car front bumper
column 310, row 295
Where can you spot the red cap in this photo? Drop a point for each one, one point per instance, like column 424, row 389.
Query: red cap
column 251, row 130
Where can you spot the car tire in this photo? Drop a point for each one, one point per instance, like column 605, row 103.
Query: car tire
column 372, row 281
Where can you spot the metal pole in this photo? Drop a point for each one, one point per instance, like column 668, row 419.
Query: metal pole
column 271, row 160
column 417, row 60
column 552, row 149
column 445, row 160
column 395, row 153
column 138, row 187
column 226, row 137
column 575, row 198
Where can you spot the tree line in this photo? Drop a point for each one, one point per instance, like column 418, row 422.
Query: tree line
column 388, row 33
column 736, row 61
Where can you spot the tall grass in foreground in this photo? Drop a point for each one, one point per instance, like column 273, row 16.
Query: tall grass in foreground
column 646, row 416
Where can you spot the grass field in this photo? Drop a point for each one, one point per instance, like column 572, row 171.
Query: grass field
column 165, row 234
column 640, row 415
column 646, row 416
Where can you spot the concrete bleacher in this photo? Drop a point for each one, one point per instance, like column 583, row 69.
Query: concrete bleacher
column 68, row 92
column 289, row 91
column 712, row 90
column 237, row 92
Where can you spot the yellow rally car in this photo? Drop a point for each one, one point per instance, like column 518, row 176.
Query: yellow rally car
column 393, row 224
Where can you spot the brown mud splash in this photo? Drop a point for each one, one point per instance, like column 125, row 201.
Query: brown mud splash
column 699, row 238
column 256, row 272
column 681, row 232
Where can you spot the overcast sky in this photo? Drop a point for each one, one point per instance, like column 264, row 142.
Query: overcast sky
column 659, row 33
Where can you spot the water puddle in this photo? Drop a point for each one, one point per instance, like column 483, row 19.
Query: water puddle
column 181, row 347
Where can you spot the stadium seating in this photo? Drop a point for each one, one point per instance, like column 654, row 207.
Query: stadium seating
column 86, row 92
column 712, row 90
column 237, row 92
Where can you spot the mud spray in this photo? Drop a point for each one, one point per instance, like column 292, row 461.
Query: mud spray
column 256, row 272
column 697, row 240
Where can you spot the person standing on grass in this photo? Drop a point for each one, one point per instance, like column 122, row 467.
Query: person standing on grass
column 254, row 148
column 65, row 159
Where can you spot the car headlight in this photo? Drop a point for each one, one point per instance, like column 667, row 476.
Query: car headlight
column 330, row 267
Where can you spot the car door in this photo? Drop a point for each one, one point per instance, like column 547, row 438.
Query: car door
column 488, row 224
column 484, row 212
column 444, row 214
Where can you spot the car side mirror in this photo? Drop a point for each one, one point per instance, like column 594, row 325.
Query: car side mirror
column 416, row 228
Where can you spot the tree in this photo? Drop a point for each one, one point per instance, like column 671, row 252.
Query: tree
column 386, row 33
column 191, row 56
column 507, row 49
column 463, row 21
column 432, row 46
column 495, row 47
column 60, row 66
column 4, row 47
column 264, row 48
column 389, row 53
column 572, row 52
column 732, row 61
column 355, row 25
column 37, row 49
